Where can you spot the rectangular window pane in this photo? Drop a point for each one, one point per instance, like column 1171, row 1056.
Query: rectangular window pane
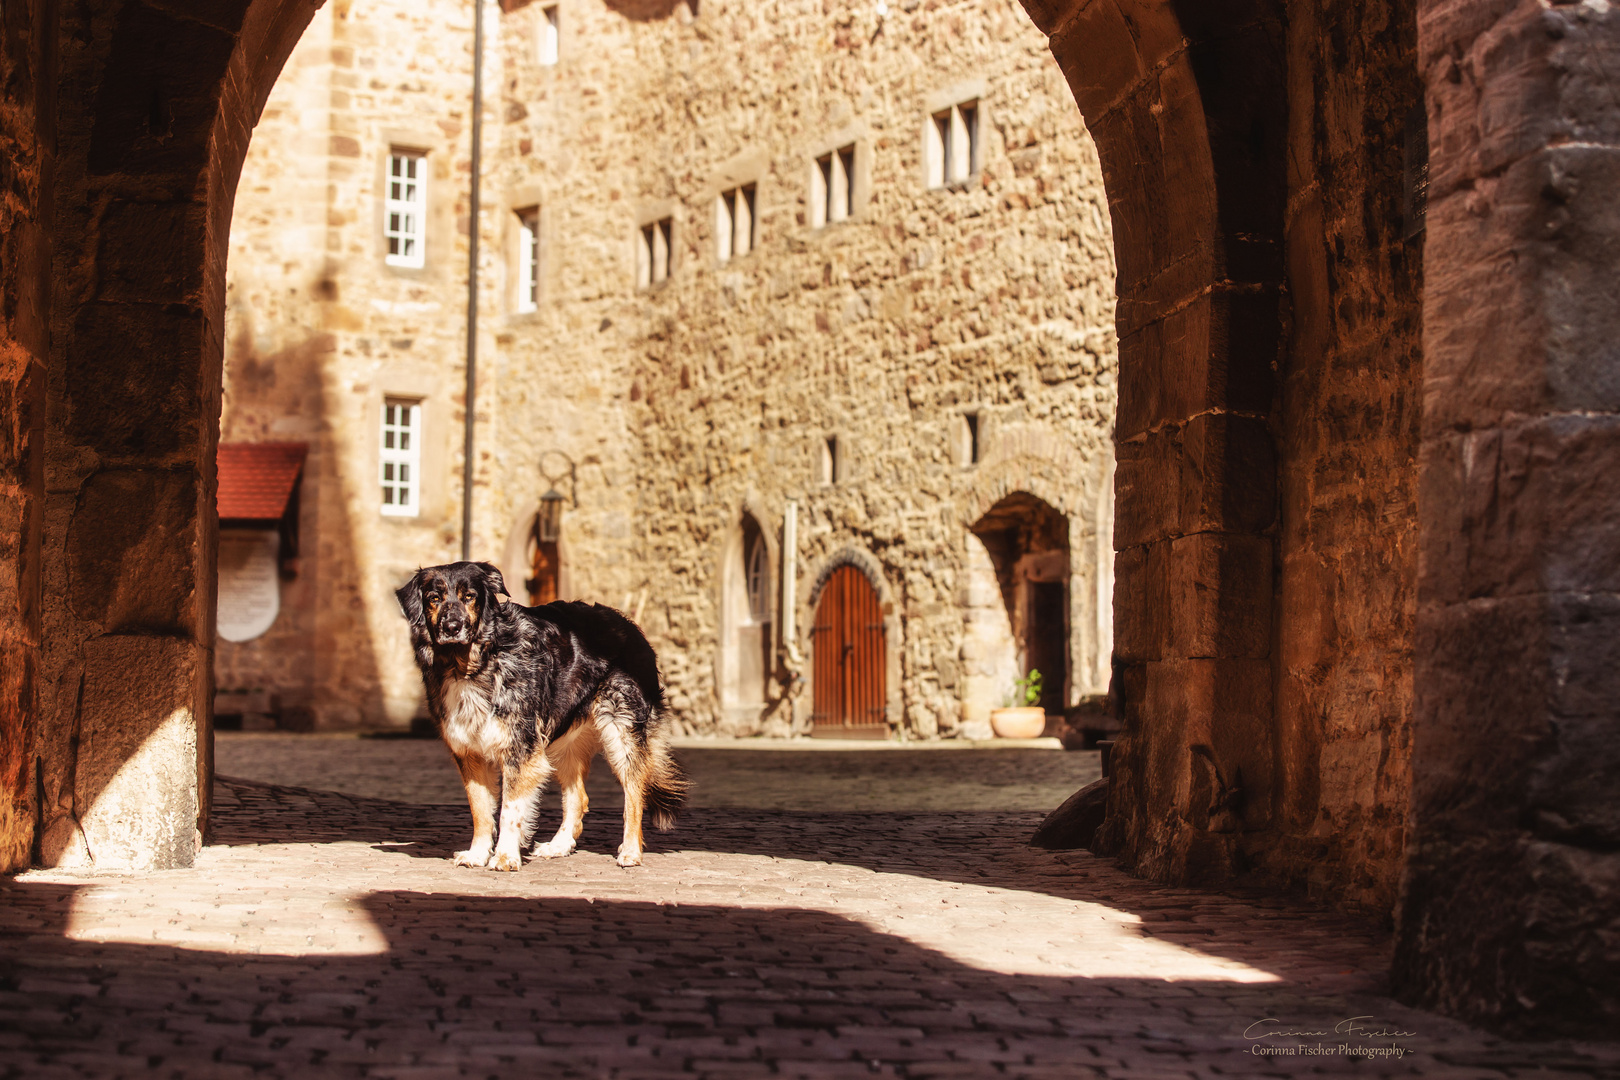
column 398, row 467
column 549, row 37
column 724, row 225
column 939, row 149
column 821, row 183
column 846, row 162
column 743, row 238
column 403, row 210
column 528, row 268
column 963, row 138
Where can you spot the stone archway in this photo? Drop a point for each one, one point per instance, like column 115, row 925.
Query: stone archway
column 137, row 119
column 126, row 128
column 147, row 154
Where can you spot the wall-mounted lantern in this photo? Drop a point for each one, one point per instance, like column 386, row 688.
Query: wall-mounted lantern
column 548, row 525
column 545, row 557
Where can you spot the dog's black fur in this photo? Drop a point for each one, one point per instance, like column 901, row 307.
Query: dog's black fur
column 505, row 683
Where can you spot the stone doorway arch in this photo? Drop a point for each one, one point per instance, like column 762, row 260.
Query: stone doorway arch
column 1027, row 541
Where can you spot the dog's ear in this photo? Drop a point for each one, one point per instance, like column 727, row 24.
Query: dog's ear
column 493, row 579
column 410, row 600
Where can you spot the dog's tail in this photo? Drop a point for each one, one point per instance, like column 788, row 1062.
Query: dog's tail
column 667, row 786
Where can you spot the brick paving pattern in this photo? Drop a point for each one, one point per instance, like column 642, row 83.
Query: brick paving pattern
column 326, row 935
column 739, row 773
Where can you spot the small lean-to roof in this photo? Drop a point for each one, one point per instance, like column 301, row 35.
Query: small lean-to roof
column 257, row 479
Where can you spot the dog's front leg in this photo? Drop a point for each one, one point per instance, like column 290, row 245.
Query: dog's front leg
column 481, row 778
column 521, row 784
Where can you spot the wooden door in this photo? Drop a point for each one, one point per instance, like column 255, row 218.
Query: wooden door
column 545, row 566
column 848, row 691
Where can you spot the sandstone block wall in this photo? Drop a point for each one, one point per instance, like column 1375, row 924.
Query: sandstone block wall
column 1347, row 439
column 881, row 332
column 1267, row 433
column 118, row 438
column 321, row 331
column 688, row 404
column 1509, row 907
column 26, row 128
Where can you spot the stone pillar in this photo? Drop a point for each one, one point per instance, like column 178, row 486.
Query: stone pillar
column 156, row 102
column 27, row 69
column 1187, row 105
column 1510, row 907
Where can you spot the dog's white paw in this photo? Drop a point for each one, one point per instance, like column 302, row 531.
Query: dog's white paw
column 506, row 860
column 629, row 857
column 472, row 857
column 555, row 849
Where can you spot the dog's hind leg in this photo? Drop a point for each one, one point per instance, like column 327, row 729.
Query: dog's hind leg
column 627, row 754
column 573, row 761
column 483, row 783
column 521, row 785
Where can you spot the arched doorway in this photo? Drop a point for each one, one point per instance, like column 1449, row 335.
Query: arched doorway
column 848, row 646
column 1028, row 543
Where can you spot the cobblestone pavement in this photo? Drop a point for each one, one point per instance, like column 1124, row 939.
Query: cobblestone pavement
column 325, row 935
column 802, row 774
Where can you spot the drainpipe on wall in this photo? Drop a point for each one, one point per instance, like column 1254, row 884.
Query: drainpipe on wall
column 472, row 280
column 790, row 583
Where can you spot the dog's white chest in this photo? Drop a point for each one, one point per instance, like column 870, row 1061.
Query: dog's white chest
column 470, row 726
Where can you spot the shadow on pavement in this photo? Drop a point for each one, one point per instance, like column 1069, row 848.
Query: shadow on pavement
column 502, row 986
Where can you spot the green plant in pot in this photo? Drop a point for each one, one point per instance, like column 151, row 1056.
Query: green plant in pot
column 1022, row 717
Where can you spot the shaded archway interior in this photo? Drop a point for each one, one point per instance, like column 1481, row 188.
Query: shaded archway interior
column 1028, row 543
column 1268, row 448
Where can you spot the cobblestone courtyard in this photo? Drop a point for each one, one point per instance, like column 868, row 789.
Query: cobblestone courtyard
column 325, row 934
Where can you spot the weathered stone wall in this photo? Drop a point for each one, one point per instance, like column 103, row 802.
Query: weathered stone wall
column 320, row 330
column 1269, row 372
column 1347, row 440
column 683, row 405
column 1510, row 909
column 153, row 111
column 27, row 70
column 880, row 331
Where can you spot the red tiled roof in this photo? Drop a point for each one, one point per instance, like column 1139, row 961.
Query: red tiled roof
column 257, row 479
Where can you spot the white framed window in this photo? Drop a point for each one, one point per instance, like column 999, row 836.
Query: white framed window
column 549, row 37
column 832, row 186
column 952, row 152
column 404, row 207
column 652, row 252
column 401, row 457
column 734, row 217
column 528, row 267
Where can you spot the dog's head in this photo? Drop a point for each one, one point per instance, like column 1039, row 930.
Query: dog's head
column 453, row 605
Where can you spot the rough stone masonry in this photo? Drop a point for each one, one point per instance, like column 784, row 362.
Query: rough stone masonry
column 696, row 407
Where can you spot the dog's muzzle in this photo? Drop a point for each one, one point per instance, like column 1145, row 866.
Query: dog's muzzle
column 453, row 628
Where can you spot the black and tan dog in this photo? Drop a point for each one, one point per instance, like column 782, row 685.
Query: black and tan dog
column 519, row 692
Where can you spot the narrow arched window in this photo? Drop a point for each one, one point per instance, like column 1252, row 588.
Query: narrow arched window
column 758, row 577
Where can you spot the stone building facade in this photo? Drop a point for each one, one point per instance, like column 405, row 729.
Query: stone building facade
column 891, row 353
column 323, row 330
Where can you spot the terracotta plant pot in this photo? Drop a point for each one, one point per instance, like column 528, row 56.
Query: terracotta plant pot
column 1024, row 722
